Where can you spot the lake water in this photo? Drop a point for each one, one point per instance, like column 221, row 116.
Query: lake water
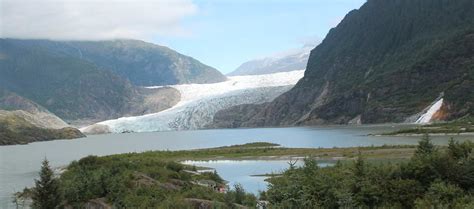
column 19, row 164
column 244, row 171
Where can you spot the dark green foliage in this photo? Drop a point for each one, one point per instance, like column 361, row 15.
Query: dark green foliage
column 141, row 181
column 212, row 176
column 425, row 147
column 238, row 196
column 385, row 62
column 239, row 193
column 16, row 130
column 46, row 193
column 174, row 166
column 459, row 150
column 144, row 64
column 430, row 179
column 69, row 87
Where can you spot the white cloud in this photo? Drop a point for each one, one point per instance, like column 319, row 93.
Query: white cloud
column 93, row 19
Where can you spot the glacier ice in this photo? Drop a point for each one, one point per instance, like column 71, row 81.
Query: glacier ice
column 199, row 102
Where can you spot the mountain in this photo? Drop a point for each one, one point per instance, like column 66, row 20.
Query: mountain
column 74, row 88
column 289, row 61
column 34, row 113
column 200, row 102
column 23, row 121
column 142, row 63
column 15, row 128
column 69, row 87
column 385, row 62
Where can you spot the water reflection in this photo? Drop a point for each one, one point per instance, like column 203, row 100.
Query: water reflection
column 244, row 171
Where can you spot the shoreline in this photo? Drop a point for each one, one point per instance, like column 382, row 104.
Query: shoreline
column 430, row 134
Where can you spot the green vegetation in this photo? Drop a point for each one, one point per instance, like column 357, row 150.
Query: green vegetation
column 131, row 183
column 126, row 182
column 92, row 80
column 46, row 193
column 432, row 178
column 69, row 87
column 463, row 125
column 385, row 62
column 16, row 130
column 142, row 63
column 422, row 176
column 386, row 152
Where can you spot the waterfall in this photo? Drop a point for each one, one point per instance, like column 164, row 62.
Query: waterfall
column 428, row 115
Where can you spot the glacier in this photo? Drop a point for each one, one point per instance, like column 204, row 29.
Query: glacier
column 199, row 103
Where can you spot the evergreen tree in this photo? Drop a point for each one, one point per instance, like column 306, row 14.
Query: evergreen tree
column 425, row 146
column 459, row 150
column 46, row 192
column 239, row 193
column 359, row 167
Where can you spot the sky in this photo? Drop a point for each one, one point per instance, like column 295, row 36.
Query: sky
column 219, row 33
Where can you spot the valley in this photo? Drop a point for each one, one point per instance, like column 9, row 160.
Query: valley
column 185, row 104
column 19, row 164
column 199, row 103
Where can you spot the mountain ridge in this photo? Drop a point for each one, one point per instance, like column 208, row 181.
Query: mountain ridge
column 289, row 61
column 140, row 62
column 384, row 62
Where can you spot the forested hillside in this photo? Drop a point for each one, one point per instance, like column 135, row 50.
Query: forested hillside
column 69, row 87
column 142, row 63
column 385, row 62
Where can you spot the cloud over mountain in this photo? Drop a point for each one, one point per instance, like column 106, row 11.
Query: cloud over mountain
column 93, row 19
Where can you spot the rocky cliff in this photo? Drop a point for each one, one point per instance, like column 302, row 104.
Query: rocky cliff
column 23, row 121
column 385, row 62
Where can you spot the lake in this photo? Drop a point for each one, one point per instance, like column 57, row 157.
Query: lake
column 19, row 164
column 243, row 171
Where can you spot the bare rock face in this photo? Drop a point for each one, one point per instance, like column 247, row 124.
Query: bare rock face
column 30, row 111
column 42, row 119
column 99, row 203
column 96, row 129
column 21, row 127
column 23, row 121
column 154, row 100
column 236, row 116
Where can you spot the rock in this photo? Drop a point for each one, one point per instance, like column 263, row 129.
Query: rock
column 96, row 129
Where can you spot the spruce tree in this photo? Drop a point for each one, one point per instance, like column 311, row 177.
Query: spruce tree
column 46, row 192
column 425, row 146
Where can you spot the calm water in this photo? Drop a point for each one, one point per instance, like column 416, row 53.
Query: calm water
column 241, row 171
column 19, row 164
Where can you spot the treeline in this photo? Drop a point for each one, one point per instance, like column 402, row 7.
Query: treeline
column 432, row 178
column 130, row 181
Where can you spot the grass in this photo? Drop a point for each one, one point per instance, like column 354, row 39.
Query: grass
column 252, row 152
column 463, row 125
